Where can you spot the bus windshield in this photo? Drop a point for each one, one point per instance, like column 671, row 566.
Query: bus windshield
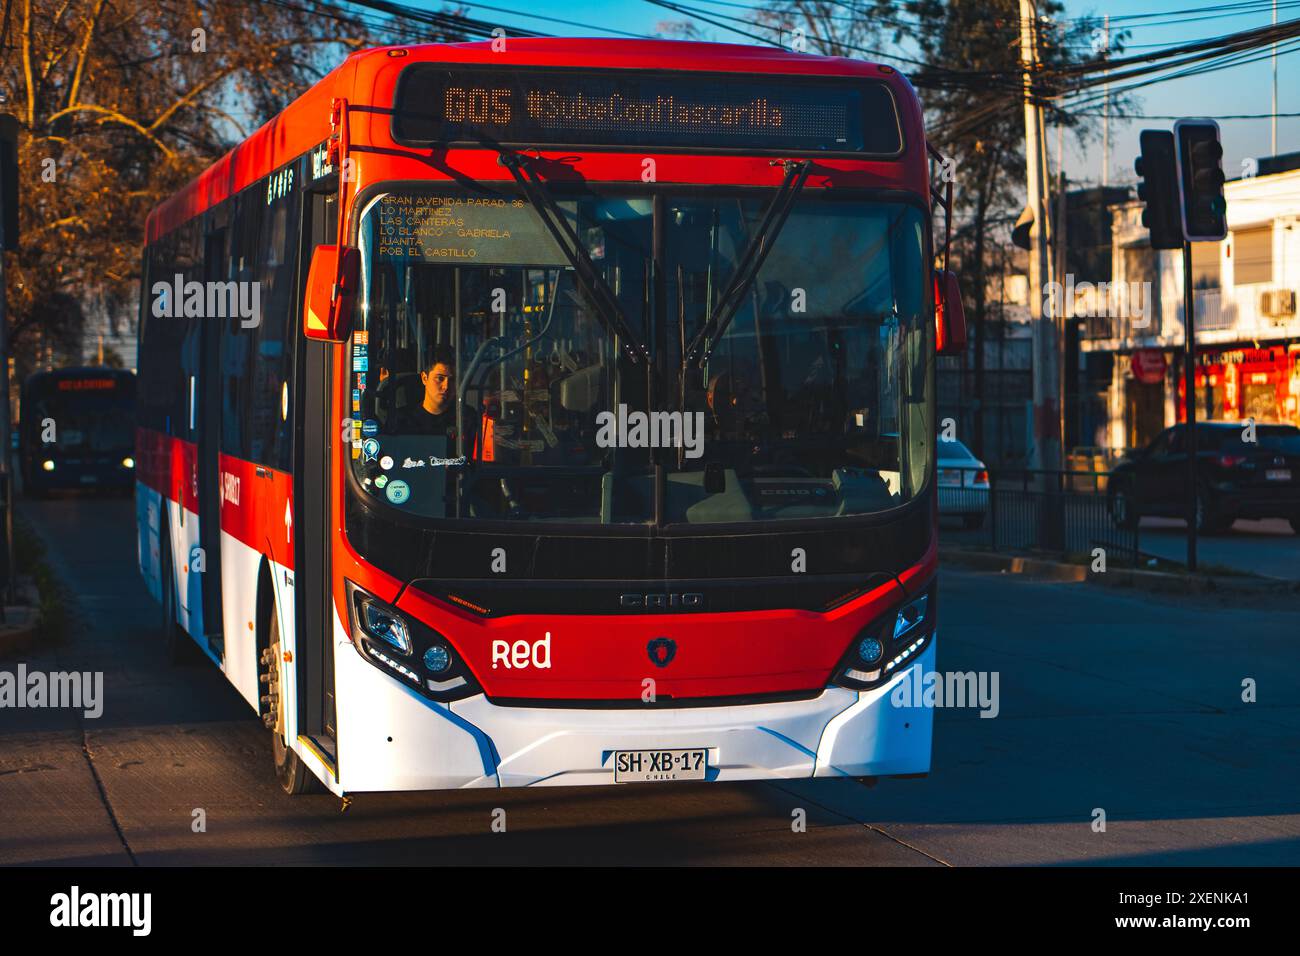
column 86, row 422
column 486, row 383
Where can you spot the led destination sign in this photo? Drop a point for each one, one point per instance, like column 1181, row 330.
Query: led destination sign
column 436, row 105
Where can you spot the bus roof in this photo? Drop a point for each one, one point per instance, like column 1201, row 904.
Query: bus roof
column 368, row 77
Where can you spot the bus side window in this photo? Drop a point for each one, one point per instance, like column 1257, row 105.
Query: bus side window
column 189, row 263
column 236, row 341
column 164, row 399
column 273, row 356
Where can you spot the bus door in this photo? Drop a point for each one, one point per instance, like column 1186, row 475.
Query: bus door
column 311, row 492
column 208, row 416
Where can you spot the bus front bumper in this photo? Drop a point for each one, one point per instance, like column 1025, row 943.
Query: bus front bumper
column 403, row 741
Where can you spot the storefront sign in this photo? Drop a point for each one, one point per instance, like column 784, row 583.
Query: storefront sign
column 1148, row 366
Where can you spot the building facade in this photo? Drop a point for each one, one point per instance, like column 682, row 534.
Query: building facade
column 1247, row 324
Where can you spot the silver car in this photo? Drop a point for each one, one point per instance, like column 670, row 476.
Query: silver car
column 963, row 483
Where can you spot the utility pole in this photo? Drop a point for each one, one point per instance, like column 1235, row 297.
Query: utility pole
column 8, row 240
column 1060, row 238
column 1274, row 82
column 1105, row 111
column 1189, row 391
column 1046, row 453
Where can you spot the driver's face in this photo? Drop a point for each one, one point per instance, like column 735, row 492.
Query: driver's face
column 437, row 387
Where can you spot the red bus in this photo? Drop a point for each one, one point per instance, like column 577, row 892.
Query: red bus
column 558, row 412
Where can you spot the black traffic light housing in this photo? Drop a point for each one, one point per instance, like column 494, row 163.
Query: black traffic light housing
column 1200, row 180
column 1157, row 169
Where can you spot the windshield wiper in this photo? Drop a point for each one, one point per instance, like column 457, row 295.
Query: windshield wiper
column 755, row 254
column 589, row 280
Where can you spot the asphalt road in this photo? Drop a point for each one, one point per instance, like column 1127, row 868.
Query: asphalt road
column 1124, row 702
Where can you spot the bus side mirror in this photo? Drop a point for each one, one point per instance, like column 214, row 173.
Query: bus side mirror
column 331, row 293
column 949, row 316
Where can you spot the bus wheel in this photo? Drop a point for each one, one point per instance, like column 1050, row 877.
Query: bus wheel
column 290, row 771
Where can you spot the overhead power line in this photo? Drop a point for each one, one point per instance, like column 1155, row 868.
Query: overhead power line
column 450, row 22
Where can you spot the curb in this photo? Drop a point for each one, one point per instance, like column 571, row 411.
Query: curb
column 1192, row 583
column 1044, row 570
column 1036, row 568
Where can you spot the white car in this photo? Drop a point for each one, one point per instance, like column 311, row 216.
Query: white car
column 963, row 483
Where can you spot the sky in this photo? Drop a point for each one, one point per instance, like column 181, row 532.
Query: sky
column 1245, row 89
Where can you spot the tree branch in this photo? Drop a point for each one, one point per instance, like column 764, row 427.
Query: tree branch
column 27, row 63
column 91, row 23
column 107, row 115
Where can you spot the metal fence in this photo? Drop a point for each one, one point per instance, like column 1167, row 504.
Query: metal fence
column 1063, row 513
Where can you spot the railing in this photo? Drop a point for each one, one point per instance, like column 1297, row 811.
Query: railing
column 1068, row 514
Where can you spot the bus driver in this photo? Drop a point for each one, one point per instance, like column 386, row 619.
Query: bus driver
column 436, row 412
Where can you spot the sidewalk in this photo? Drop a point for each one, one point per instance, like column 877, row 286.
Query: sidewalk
column 1268, row 548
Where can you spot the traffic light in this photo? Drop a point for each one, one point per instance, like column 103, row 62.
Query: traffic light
column 1200, row 180
column 1157, row 168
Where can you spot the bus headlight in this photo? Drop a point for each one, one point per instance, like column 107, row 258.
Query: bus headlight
column 870, row 650
column 437, row 659
column 910, row 617
column 888, row 642
column 47, row 465
column 385, row 624
column 407, row 649
column 128, row 462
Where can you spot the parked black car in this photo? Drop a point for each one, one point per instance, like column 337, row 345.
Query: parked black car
column 1235, row 478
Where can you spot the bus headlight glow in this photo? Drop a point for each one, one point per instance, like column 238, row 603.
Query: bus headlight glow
column 888, row 643
column 407, row 649
column 128, row 462
column 47, row 465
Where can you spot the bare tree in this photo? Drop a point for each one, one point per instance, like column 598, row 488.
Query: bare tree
column 120, row 102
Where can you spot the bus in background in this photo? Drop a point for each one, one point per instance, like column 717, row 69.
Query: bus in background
column 557, row 415
column 76, row 429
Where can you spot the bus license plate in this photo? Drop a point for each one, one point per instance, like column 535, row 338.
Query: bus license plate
column 641, row 766
column 90, row 479
column 1278, row 474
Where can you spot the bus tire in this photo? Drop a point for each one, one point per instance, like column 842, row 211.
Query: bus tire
column 291, row 773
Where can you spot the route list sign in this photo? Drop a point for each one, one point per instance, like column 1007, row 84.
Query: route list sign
column 463, row 230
